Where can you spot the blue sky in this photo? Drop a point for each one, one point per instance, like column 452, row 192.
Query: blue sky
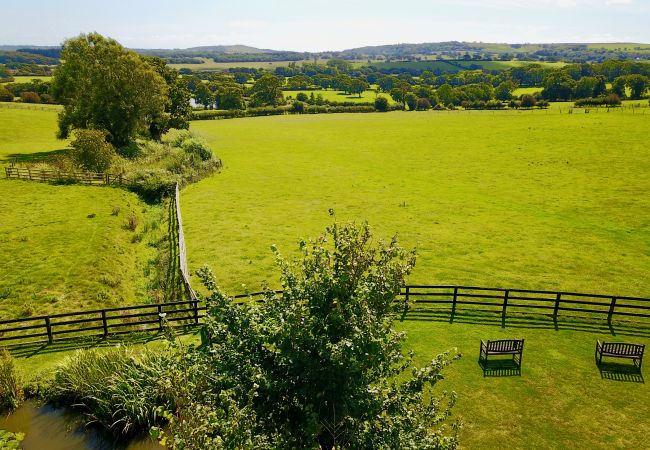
column 316, row 25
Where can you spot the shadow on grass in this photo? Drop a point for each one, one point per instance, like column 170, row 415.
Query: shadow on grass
column 524, row 321
column 28, row 350
column 33, row 157
column 620, row 372
column 500, row 368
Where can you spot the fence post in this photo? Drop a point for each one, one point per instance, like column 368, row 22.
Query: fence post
column 453, row 304
column 104, row 324
column 557, row 305
column 48, row 327
column 611, row 310
column 506, row 294
column 407, row 296
column 196, row 312
column 160, row 319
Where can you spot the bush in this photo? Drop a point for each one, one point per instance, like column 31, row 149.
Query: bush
column 423, row 104
column 11, row 391
column 152, row 185
column 119, row 390
column 5, row 95
column 298, row 107
column 381, row 104
column 91, row 151
column 30, row 97
column 11, row 441
column 411, row 100
column 528, row 101
column 608, row 100
column 302, row 97
column 198, row 147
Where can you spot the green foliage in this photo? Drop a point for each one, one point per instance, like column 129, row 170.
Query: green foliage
column 197, row 147
column 91, row 151
column 558, row 86
column 11, row 441
column 5, row 95
column 411, row 100
column 11, row 389
column 267, row 91
column 320, row 366
column 121, row 390
column 298, row 107
column 381, row 104
column 504, row 90
column 528, row 101
column 124, row 104
column 607, row 100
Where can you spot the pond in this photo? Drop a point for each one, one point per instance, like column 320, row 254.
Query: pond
column 60, row 429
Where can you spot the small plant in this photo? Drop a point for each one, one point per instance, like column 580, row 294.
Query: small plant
column 11, row 391
column 10, row 441
column 116, row 211
column 91, row 216
column 132, row 222
column 197, row 147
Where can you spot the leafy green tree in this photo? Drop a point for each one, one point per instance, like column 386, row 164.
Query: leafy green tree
column 318, row 366
column 358, row 86
column 230, row 97
column 103, row 85
column 446, row 95
column 585, row 87
column 240, row 77
column 618, row 87
column 5, row 95
column 204, row 96
column 504, row 90
column 178, row 109
column 411, row 100
column 299, row 82
column 558, row 85
column 638, row 84
column 398, row 95
column 267, row 90
column 601, row 86
column 302, row 97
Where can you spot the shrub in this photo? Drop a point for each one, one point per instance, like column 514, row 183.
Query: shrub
column 11, row 441
column 5, row 95
column 302, row 97
column 411, row 100
column 528, row 101
column 298, row 107
column 423, row 104
column 91, row 151
column 30, row 97
column 132, row 222
column 381, row 104
column 152, row 185
column 131, row 150
column 11, row 391
column 116, row 388
column 608, row 100
column 197, row 147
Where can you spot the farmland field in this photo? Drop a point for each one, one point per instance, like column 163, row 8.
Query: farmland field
column 530, row 199
column 339, row 96
column 28, row 129
column 63, row 248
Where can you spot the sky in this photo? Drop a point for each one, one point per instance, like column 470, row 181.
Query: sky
column 321, row 25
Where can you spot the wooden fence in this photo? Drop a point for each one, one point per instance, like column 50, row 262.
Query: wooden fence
column 45, row 175
column 451, row 300
column 182, row 252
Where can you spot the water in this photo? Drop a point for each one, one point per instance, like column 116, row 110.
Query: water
column 60, row 429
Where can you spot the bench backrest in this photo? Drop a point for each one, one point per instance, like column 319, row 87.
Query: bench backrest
column 622, row 348
column 505, row 345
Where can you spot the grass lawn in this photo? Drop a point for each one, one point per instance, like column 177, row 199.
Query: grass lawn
column 526, row 199
column 25, row 131
column 527, row 90
column 28, row 78
column 57, row 259
column 560, row 399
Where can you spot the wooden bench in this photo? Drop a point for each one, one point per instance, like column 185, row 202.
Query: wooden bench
column 514, row 347
column 620, row 350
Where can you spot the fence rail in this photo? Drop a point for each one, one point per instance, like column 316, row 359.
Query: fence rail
column 447, row 299
column 46, row 175
column 182, row 252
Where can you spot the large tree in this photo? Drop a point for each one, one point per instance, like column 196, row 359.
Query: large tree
column 105, row 86
column 267, row 91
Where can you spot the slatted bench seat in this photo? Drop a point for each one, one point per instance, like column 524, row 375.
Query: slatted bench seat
column 620, row 350
column 514, row 347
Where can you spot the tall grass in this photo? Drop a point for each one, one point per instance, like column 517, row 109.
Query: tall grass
column 120, row 390
column 11, row 391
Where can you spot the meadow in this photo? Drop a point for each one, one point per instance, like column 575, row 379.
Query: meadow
column 368, row 96
column 26, row 130
column 526, row 199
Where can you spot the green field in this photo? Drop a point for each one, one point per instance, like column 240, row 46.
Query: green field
column 56, row 258
column 527, row 90
column 528, row 199
column 447, row 67
column 339, row 96
column 28, row 78
column 28, row 129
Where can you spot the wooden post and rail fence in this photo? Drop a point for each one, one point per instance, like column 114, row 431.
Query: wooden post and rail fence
column 50, row 175
column 446, row 299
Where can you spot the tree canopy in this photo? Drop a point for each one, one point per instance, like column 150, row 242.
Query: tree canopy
column 105, row 86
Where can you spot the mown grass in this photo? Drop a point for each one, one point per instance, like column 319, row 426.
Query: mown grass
column 25, row 131
column 528, row 199
column 560, row 400
column 65, row 248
